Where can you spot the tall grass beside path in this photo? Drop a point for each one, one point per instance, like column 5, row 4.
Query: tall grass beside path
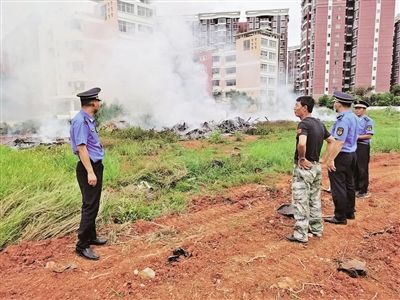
column 146, row 175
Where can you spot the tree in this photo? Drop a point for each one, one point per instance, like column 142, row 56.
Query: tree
column 326, row 101
column 395, row 90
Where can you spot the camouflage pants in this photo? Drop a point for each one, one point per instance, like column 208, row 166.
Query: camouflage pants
column 306, row 199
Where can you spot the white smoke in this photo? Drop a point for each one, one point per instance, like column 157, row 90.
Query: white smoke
column 153, row 76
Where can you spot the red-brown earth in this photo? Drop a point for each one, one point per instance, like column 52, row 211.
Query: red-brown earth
column 239, row 251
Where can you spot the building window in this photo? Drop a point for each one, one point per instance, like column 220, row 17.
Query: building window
column 126, row 7
column 272, row 56
column 231, row 82
column 215, row 82
column 77, row 85
column 272, row 44
column 215, row 58
column 127, row 27
column 77, row 66
column 145, row 28
column 337, row 26
column 231, row 70
column 246, row 45
column 215, row 71
column 230, row 58
column 144, row 12
column 271, row 81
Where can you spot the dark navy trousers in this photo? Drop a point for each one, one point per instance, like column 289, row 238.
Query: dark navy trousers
column 361, row 174
column 342, row 185
column 90, row 203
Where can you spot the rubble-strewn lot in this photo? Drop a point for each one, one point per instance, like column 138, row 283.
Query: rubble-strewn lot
column 238, row 251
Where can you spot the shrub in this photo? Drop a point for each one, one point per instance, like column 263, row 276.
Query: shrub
column 216, row 137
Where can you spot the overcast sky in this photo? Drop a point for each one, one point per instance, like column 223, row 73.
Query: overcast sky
column 179, row 7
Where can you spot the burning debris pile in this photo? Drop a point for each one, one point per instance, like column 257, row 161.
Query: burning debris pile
column 29, row 139
column 206, row 128
column 26, row 142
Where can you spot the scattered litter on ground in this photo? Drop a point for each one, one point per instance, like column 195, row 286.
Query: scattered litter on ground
column 147, row 273
column 353, row 267
column 57, row 268
column 177, row 253
column 286, row 210
column 389, row 230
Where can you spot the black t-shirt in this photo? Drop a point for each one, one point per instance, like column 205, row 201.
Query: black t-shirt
column 316, row 133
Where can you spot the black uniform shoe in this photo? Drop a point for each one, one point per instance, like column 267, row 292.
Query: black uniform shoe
column 291, row 238
column 98, row 242
column 351, row 216
column 333, row 220
column 87, row 253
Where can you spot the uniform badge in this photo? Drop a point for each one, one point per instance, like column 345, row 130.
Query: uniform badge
column 339, row 131
column 369, row 127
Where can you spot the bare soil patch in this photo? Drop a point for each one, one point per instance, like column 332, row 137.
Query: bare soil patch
column 238, row 249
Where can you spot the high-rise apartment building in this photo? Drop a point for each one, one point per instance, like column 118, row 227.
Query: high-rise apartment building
column 277, row 21
column 345, row 44
column 257, row 65
column 372, row 44
column 307, row 46
column 293, row 69
column 250, row 66
column 395, row 79
column 219, row 29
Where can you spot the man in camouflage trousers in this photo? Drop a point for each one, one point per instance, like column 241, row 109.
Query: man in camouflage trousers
column 306, row 185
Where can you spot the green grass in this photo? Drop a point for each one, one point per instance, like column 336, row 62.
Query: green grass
column 39, row 196
column 387, row 130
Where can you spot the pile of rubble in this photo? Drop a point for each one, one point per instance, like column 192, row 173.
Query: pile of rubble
column 206, row 128
column 26, row 142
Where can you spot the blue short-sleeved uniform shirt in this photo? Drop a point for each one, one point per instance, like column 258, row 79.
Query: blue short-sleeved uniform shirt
column 345, row 129
column 365, row 126
column 83, row 132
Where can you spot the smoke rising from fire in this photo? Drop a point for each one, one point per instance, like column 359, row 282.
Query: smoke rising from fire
column 61, row 49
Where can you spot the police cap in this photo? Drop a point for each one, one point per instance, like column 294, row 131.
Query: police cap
column 361, row 103
column 343, row 97
column 92, row 94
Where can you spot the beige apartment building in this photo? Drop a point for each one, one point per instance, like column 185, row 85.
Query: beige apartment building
column 219, row 30
column 257, row 65
column 129, row 16
column 251, row 66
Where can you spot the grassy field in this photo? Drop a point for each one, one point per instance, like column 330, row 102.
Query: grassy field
column 39, row 196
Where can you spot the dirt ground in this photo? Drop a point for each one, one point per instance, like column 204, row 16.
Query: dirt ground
column 238, row 252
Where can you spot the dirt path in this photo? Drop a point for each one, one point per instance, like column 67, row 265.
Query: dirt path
column 238, row 252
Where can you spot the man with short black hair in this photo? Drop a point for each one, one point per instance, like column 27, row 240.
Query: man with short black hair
column 86, row 145
column 307, row 175
column 341, row 160
column 365, row 132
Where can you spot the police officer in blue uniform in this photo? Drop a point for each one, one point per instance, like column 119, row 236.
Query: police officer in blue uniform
column 365, row 133
column 341, row 161
column 86, row 145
